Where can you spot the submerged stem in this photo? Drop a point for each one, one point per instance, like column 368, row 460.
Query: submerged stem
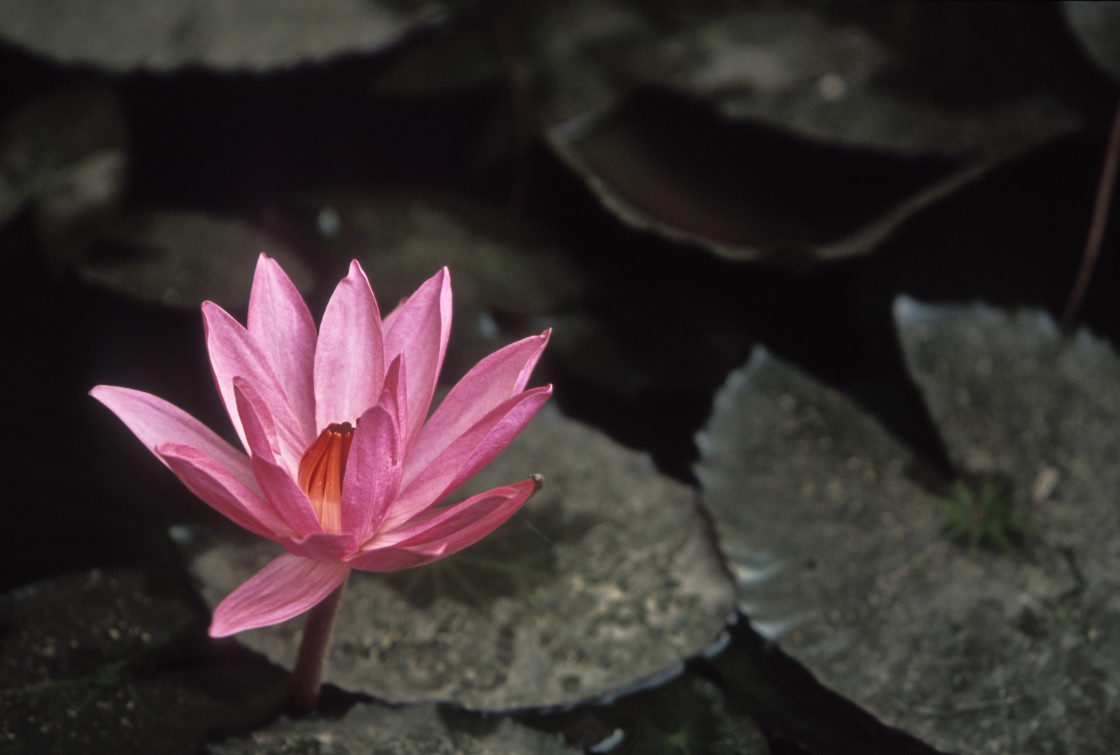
column 307, row 676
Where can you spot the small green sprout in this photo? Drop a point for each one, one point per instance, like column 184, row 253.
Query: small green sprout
column 980, row 512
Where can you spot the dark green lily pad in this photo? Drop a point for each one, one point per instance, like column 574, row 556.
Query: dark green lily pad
column 256, row 35
column 852, row 565
column 78, row 670
column 180, row 259
column 607, row 576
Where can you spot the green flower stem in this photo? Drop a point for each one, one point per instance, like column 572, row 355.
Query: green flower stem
column 307, row 676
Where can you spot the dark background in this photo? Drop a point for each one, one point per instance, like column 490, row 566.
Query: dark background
column 270, row 147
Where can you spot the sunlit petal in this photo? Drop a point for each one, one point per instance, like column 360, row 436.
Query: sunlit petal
column 286, row 587
column 350, row 354
column 282, row 326
column 419, row 330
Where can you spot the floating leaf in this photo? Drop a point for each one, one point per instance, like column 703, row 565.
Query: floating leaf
column 853, row 567
column 252, row 34
column 608, row 576
column 77, row 669
column 64, row 156
column 1096, row 26
column 180, row 259
column 776, row 132
column 419, row 730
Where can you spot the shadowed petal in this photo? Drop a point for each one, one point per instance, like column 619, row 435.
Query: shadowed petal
column 419, row 330
column 155, row 422
column 286, row 498
column 234, row 353
column 350, row 354
column 466, row 455
column 281, row 324
column 213, row 483
column 490, row 382
column 286, row 587
column 444, row 531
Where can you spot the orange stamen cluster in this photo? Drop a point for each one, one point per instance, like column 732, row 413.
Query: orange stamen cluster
column 321, row 470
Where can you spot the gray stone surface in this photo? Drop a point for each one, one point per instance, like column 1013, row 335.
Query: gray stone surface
column 379, row 730
column 168, row 34
column 607, row 575
column 849, row 563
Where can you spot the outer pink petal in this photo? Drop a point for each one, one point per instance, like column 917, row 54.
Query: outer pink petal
column 489, row 383
column 283, row 328
column 155, row 422
column 420, row 328
column 447, row 530
column 266, row 438
column 213, row 483
column 286, row 498
column 373, row 473
column 321, row 546
column 389, row 559
column 470, row 452
column 287, row 587
column 234, row 353
column 350, row 354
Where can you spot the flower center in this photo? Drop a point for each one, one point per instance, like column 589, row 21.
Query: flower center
column 321, row 470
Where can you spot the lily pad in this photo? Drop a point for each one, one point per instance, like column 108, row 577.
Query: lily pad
column 180, row 259
column 419, row 730
column 63, row 155
column 77, row 669
column 608, row 575
column 851, row 564
column 770, row 131
column 253, row 34
column 503, row 269
column 1096, row 26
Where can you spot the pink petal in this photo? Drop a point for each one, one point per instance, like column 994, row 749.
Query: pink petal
column 389, row 559
column 469, row 452
column 267, row 439
column 350, row 354
column 211, row 481
column 286, row 587
column 155, row 422
column 283, row 328
column 234, row 353
column 286, row 498
column 321, row 546
column 373, row 473
column 490, row 382
column 419, row 330
column 448, row 530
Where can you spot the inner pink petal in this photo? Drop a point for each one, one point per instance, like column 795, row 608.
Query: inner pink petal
column 373, row 473
column 282, row 326
column 419, row 330
column 235, row 353
column 350, row 353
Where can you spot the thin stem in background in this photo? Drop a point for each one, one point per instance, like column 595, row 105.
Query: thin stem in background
column 1096, row 226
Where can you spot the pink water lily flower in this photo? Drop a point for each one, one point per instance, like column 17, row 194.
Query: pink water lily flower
column 344, row 466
